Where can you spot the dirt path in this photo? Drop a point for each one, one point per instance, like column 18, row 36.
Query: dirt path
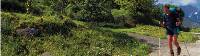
column 193, row 48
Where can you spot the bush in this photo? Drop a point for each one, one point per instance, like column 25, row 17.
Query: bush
column 35, row 7
column 91, row 10
column 123, row 17
column 8, row 23
column 49, row 28
column 14, row 5
column 17, row 24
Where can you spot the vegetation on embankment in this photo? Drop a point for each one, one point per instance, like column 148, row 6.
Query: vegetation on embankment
column 76, row 27
column 60, row 37
column 158, row 32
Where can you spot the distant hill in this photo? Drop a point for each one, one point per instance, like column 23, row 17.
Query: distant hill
column 192, row 16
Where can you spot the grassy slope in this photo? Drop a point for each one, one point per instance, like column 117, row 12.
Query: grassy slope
column 158, row 32
column 84, row 41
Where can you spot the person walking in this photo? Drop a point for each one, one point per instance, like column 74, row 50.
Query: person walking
column 171, row 22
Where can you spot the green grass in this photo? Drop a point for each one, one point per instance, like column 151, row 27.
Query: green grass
column 83, row 40
column 196, row 30
column 189, row 36
column 157, row 32
column 144, row 30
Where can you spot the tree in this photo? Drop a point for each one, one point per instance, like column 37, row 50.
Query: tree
column 141, row 10
column 14, row 5
column 91, row 10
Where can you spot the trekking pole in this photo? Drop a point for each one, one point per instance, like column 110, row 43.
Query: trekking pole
column 185, row 46
column 159, row 48
column 159, row 45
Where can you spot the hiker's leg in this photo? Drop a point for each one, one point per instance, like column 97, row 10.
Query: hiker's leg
column 170, row 33
column 175, row 41
column 170, row 39
column 177, row 44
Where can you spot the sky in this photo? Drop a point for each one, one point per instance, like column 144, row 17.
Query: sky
column 195, row 3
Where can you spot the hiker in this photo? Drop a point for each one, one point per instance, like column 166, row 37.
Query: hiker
column 171, row 21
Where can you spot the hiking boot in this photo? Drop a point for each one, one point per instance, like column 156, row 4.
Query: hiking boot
column 171, row 53
column 178, row 51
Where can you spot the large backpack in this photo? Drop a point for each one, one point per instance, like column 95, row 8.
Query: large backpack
column 174, row 10
column 177, row 10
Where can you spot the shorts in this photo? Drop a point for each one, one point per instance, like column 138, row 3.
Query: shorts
column 172, row 30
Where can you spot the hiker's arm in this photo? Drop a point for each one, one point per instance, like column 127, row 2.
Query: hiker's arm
column 162, row 21
column 178, row 22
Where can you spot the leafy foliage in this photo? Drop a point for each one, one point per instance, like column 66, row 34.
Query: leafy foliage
column 55, row 40
column 14, row 5
column 85, row 10
column 91, row 10
column 61, row 35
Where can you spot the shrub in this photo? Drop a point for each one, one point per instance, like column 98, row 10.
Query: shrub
column 17, row 24
column 123, row 18
column 14, row 5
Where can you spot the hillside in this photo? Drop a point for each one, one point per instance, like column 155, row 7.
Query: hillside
column 80, row 27
column 81, row 39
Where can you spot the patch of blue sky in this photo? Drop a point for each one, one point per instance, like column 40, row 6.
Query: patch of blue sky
column 195, row 3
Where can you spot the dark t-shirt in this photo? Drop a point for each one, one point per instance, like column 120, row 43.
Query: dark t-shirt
column 170, row 20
